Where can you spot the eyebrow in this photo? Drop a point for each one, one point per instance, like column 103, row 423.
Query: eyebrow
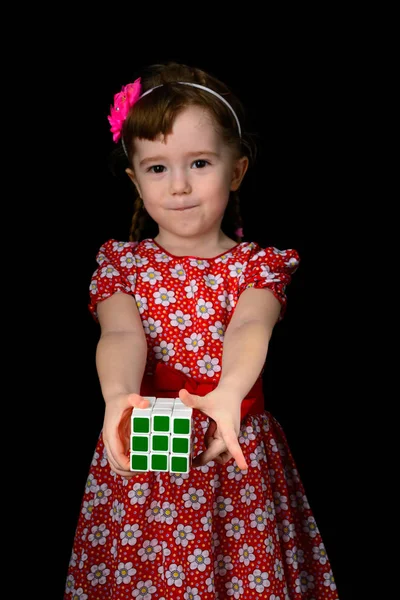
column 159, row 158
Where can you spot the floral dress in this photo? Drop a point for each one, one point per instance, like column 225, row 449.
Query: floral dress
column 217, row 532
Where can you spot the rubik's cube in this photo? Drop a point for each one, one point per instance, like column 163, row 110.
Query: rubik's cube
column 162, row 436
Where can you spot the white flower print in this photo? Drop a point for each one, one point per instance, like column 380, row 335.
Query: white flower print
column 208, row 365
column 274, row 447
column 215, row 540
column 164, row 297
column 286, row 530
column 178, row 478
column 199, row 559
column 124, row 572
column 280, row 502
column 178, row 272
column 101, row 257
column 215, row 483
column 236, row 269
column 154, row 513
column 101, row 494
column 194, row 499
column 183, row 534
column 191, row 594
column 162, row 257
column 91, row 483
column 246, row 554
column 141, row 261
column 87, row 508
column 279, row 252
column 99, row 535
column 207, row 521
column 165, row 350
column 272, row 475
column 204, row 309
column 210, row 584
column 194, row 342
column 299, row 500
column 139, row 493
column 273, row 597
column 149, row 550
column 224, row 258
column 310, row 527
column 222, row 564
column 258, row 519
column 79, row 595
column 278, row 569
column 304, row 582
column 180, row 320
column 270, row 510
column 152, row 327
column 247, row 494
column 175, row 575
column 235, row 528
column 128, row 260
column 294, row 557
column 217, row 331
column 207, row 467
column 130, row 534
column 222, row 506
column 114, row 548
column 292, row 262
column 329, row 581
column 291, row 475
column 246, row 435
column 267, row 274
column 151, row 276
column 109, row 271
column 84, row 534
column 119, row 246
column 70, row 584
column 282, row 450
column 199, row 263
column 73, row 559
column 82, row 560
column 319, row 553
column 234, row 587
column 227, row 301
column 213, row 281
column 258, row 581
column 191, row 289
column 93, row 287
column 144, row 590
column 235, row 473
column 269, row 543
column 141, row 303
column 98, row 574
column 168, row 513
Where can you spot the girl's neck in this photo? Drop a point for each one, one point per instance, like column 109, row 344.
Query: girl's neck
column 196, row 248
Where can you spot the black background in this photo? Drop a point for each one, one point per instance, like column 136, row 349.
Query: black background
column 294, row 97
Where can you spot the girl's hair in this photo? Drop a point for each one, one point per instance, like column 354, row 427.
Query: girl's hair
column 155, row 114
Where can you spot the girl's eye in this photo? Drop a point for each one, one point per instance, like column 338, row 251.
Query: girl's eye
column 156, row 169
column 201, row 163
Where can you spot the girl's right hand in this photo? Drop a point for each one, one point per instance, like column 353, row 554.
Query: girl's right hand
column 117, row 430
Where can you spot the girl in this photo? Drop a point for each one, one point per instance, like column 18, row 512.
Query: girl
column 189, row 313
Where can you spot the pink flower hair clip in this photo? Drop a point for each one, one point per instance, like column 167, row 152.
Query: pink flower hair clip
column 239, row 232
column 123, row 101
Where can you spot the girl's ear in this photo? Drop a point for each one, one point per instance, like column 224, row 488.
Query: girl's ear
column 239, row 170
column 132, row 177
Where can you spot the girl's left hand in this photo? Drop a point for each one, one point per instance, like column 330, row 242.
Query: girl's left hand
column 221, row 438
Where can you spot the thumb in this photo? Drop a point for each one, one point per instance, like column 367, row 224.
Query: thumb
column 138, row 401
column 191, row 400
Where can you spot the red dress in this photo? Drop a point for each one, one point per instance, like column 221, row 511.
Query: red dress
column 217, row 532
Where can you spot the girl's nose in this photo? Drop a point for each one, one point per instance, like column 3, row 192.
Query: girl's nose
column 180, row 184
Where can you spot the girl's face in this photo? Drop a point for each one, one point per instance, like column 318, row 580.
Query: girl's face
column 185, row 177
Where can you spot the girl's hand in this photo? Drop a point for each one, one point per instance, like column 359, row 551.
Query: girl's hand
column 117, row 430
column 221, row 438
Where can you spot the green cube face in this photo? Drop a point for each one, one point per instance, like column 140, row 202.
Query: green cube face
column 179, row 464
column 141, row 425
column 161, row 423
column 140, row 443
column 181, row 426
column 159, row 443
column 139, row 462
column 180, row 445
column 159, row 462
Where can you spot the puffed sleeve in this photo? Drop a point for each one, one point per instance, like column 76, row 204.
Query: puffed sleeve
column 116, row 272
column 269, row 268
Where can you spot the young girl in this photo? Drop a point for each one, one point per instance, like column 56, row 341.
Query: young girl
column 189, row 313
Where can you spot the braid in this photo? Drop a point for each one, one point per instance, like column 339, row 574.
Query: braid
column 139, row 219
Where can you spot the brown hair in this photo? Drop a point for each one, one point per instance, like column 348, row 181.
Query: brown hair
column 155, row 114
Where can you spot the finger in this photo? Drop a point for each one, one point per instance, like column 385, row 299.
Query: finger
column 232, row 444
column 215, row 448
column 190, row 400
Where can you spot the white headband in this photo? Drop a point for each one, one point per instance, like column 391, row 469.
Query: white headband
column 206, row 89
